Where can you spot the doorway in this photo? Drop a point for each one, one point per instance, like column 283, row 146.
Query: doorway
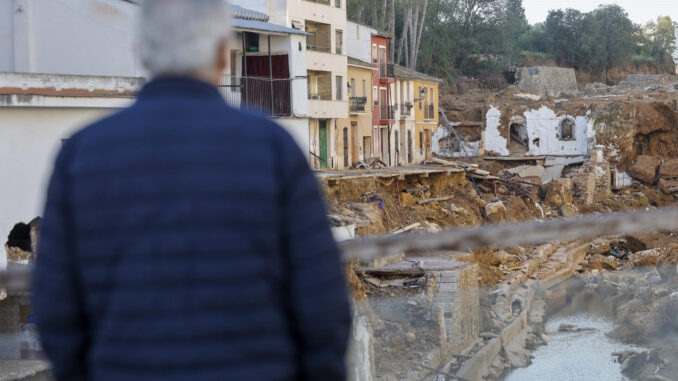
column 322, row 141
column 518, row 137
column 367, row 147
column 427, row 143
column 345, row 147
column 354, row 140
column 385, row 149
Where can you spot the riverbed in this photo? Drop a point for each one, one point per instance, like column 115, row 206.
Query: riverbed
column 581, row 356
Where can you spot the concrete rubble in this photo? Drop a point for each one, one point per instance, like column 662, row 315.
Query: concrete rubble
column 512, row 176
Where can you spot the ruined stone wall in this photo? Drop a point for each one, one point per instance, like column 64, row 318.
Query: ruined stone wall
column 547, row 81
column 543, row 132
column 458, row 295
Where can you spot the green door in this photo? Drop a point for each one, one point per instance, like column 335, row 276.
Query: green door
column 322, row 136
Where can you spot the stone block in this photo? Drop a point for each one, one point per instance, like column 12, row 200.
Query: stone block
column 495, row 212
column 569, row 211
column 669, row 169
column 585, row 187
column 668, row 186
column 559, row 192
column 645, row 168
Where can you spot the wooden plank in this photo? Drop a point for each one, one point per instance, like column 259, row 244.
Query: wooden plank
column 437, row 199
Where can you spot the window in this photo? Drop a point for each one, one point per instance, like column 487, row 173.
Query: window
column 252, row 42
column 364, row 88
column 337, row 3
column 421, row 141
column 567, row 129
column 353, row 90
column 339, row 43
column 422, row 95
column 374, row 54
column 340, row 87
column 375, row 95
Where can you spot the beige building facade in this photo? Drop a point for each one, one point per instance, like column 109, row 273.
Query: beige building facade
column 354, row 142
column 327, row 73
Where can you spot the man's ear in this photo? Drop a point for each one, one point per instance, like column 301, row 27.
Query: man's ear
column 223, row 55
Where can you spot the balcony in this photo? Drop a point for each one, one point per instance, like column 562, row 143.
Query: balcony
column 405, row 109
column 386, row 71
column 357, row 104
column 263, row 95
column 319, row 48
column 388, row 112
column 319, row 38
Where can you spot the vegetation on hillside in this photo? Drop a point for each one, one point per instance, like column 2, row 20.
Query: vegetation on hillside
column 475, row 37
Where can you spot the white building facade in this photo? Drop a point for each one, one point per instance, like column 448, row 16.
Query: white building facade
column 326, row 62
column 65, row 64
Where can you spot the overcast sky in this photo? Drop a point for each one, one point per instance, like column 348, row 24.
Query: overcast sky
column 640, row 11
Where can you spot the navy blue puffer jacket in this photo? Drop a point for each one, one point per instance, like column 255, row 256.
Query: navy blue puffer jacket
column 185, row 240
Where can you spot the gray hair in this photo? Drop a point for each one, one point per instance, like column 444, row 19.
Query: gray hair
column 182, row 37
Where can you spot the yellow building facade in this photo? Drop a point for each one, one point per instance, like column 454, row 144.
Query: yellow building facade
column 425, row 115
column 354, row 134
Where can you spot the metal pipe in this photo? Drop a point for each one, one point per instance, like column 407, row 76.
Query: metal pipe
column 270, row 72
column 244, row 69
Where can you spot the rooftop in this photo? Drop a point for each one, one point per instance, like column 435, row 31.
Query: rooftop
column 356, row 62
column 402, row 72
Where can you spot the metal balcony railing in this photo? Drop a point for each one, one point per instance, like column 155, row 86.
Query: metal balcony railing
column 405, row 109
column 319, row 97
column 386, row 70
column 387, row 112
column 319, row 48
column 326, row 2
column 270, row 97
column 357, row 104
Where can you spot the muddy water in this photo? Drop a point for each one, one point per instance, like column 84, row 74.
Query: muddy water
column 575, row 356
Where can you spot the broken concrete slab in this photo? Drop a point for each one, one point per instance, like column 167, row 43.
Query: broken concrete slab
column 645, row 168
column 620, row 180
column 552, row 173
column 525, row 171
column 556, row 160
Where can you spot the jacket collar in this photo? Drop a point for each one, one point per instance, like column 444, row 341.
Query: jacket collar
column 162, row 87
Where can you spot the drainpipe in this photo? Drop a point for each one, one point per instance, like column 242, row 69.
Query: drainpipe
column 270, row 72
column 244, row 69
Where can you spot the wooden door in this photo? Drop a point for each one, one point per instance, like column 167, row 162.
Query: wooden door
column 322, row 141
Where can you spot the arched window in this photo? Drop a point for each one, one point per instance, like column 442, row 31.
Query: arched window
column 567, row 129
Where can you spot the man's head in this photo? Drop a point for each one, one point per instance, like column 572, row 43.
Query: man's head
column 185, row 37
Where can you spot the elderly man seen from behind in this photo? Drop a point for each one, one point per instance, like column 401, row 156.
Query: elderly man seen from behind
column 183, row 239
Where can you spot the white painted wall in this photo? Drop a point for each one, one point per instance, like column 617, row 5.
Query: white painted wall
column 6, row 36
column 81, row 37
column 255, row 5
column 494, row 142
column 359, row 41
column 298, row 128
column 29, row 141
column 542, row 124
